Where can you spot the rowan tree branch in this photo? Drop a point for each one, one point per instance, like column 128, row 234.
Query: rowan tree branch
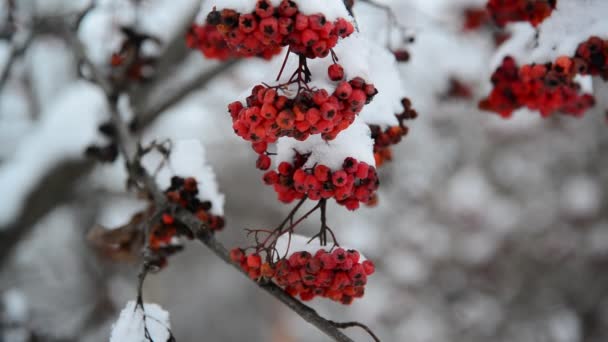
column 203, row 233
column 200, row 230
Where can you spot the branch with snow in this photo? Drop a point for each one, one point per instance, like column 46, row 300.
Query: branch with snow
column 142, row 323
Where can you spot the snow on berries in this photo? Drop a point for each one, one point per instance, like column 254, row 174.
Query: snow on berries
column 392, row 135
column 183, row 192
column 310, row 271
column 273, row 24
column 268, row 114
column 548, row 88
column 163, row 239
column 342, row 169
column 186, row 160
column 532, row 11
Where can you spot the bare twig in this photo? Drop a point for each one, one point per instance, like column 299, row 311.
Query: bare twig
column 16, row 51
column 149, row 115
column 356, row 324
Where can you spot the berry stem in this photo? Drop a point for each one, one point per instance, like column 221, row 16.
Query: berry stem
column 322, row 234
column 284, row 64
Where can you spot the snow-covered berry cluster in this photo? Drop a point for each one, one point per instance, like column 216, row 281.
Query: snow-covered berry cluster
column 532, row 11
column 340, row 275
column 211, row 43
column 270, row 27
column 548, row 88
column 355, row 183
column 385, row 138
column 267, row 115
column 183, row 192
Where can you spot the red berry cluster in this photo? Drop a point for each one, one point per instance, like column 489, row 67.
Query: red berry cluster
column 162, row 234
column 532, row 11
column 208, row 40
column 355, row 183
column 269, row 28
column 184, row 193
column 384, row 139
column 591, row 58
column 548, row 88
column 339, row 275
column 268, row 115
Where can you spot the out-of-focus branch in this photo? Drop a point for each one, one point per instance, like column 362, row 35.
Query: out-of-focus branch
column 60, row 181
column 16, row 51
column 54, row 188
column 145, row 116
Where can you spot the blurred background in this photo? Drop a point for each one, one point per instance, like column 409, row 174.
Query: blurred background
column 486, row 229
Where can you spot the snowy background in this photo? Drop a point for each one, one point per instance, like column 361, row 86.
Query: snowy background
column 486, row 230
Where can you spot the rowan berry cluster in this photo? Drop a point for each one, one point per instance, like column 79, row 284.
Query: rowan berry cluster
column 384, row 139
column 532, row 11
column 211, row 43
column 162, row 234
column 355, row 183
column 548, row 88
column 269, row 28
column 183, row 192
column 339, row 275
column 268, row 115
column 591, row 58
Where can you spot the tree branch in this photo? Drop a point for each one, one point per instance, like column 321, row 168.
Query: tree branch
column 199, row 229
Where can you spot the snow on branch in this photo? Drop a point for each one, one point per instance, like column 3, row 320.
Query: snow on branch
column 187, row 159
column 63, row 132
column 137, row 324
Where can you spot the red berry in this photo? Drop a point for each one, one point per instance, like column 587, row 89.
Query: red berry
column 335, row 72
column 368, row 267
column 237, row 255
column 254, row 261
column 263, row 162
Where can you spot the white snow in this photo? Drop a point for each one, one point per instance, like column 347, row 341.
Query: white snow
column 187, row 159
column 100, row 29
column 52, row 7
column 50, row 65
column 14, row 304
column 355, row 142
column 580, row 196
column 133, row 321
column 299, row 243
column 332, row 9
column 100, row 32
column 559, row 34
column 63, row 132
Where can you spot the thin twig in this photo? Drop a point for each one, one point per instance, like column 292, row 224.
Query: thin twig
column 356, row 324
